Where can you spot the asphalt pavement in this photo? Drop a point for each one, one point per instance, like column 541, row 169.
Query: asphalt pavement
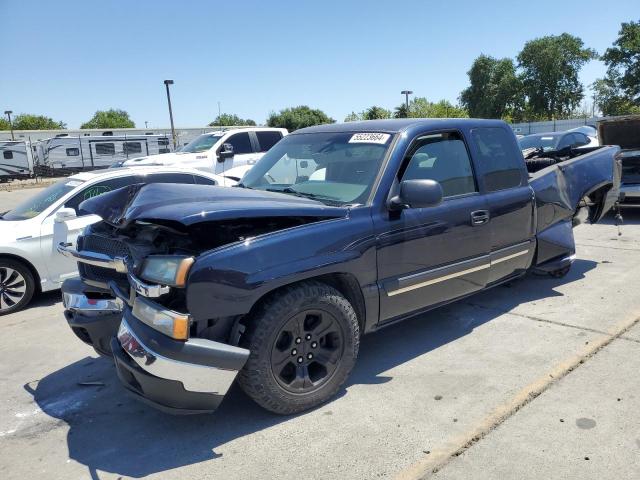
column 534, row 379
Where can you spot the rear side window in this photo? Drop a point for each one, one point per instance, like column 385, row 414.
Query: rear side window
column 241, row 143
column 268, row 139
column 204, row 180
column 169, row 178
column 98, row 189
column 501, row 162
column 442, row 157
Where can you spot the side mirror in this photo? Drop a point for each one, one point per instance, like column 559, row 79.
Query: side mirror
column 64, row 214
column 225, row 152
column 417, row 194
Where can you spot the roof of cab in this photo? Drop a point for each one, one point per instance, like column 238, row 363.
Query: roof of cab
column 396, row 125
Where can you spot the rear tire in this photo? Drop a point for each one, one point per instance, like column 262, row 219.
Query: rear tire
column 304, row 342
column 17, row 286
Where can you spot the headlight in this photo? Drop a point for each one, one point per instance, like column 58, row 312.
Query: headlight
column 167, row 269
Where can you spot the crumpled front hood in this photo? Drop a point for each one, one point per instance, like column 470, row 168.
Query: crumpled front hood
column 192, row 204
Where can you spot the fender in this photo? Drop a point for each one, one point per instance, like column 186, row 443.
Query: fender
column 230, row 280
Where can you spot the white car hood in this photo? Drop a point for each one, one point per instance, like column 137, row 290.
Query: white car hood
column 165, row 159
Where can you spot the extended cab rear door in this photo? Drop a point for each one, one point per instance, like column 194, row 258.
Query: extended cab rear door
column 427, row 256
column 504, row 181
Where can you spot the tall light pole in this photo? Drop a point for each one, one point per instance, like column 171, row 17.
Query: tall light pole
column 406, row 94
column 8, row 114
column 173, row 130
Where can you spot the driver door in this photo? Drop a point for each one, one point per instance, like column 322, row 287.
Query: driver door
column 427, row 256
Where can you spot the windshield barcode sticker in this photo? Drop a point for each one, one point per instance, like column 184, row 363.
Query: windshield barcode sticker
column 380, row 138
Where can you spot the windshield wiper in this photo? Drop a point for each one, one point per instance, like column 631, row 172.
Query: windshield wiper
column 297, row 193
column 294, row 192
column 242, row 185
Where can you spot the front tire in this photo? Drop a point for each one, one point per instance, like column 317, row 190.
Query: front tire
column 304, row 342
column 16, row 286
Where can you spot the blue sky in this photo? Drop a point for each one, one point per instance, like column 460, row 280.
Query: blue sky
column 67, row 59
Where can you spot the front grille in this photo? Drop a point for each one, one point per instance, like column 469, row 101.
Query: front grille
column 108, row 246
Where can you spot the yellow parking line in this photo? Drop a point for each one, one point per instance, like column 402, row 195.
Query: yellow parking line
column 438, row 458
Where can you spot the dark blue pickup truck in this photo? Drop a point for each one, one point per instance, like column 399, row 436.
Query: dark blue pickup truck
column 337, row 231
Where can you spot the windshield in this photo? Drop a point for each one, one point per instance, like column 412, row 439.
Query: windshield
column 37, row 204
column 334, row 168
column 201, row 143
column 546, row 142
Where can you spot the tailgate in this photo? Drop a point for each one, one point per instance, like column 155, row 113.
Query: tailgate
column 560, row 187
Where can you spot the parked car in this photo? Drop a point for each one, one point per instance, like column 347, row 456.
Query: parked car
column 275, row 280
column 625, row 132
column 555, row 141
column 29, row 261
column 219, row 151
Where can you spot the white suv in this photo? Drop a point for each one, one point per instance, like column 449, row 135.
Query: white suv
column 210, row 151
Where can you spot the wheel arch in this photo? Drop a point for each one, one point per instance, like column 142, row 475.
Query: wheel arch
column 29, row 265
column 345, row 283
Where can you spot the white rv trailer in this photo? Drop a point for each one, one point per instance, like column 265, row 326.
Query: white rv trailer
column 64, row 154
column 16, row 160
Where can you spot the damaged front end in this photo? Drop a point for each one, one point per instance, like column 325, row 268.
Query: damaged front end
column 142, row 254
column 579, row 190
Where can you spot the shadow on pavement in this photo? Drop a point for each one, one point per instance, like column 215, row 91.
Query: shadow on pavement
column 111, row 432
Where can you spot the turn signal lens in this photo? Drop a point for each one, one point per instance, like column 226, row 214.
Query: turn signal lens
column 173, row 324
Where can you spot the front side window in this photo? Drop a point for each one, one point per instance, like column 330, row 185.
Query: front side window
column 442, row 157
column 268, row 139
column 501, row 163
column 73, row 152
column 241, row 143
column 7, row 154
column 97, row 189
column 105, row 149
column 334, row 168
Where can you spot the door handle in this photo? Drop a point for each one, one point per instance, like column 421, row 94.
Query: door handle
column 479, row 217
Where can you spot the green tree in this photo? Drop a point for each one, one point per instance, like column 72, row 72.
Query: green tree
column 228, row 119
column 376, row 113
column 420, row 107
column 495, row 91
column 610, row 98
column 4, row 124
column 26, row 121
column 619, row 92
column 401, row 111
column 353, row 117
column 298, row 117
column 549, row 73
column 112, row 118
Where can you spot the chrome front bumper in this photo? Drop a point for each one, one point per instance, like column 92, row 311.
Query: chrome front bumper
column 194, row 377
column 118, row 264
